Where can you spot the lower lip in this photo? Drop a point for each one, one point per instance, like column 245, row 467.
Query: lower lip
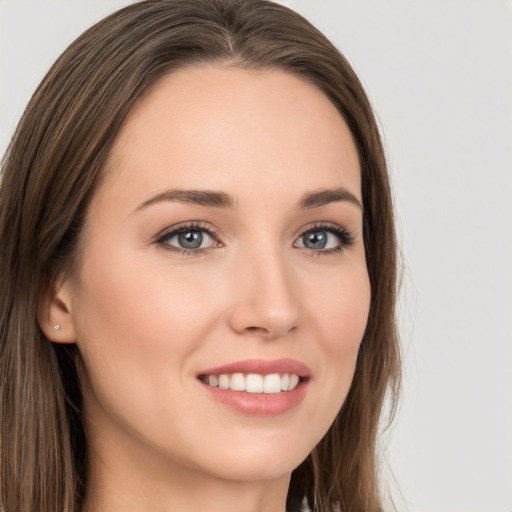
column 259, row 404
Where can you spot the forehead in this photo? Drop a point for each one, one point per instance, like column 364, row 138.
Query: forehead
column 233, row 129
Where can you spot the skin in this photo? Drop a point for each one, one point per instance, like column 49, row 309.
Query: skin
column 147, row 319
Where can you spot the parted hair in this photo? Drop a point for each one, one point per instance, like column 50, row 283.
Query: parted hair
column 49, row 173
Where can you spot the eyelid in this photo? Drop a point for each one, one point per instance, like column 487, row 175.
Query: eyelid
column 327, row 226
column 320, row 225
column 183, row 227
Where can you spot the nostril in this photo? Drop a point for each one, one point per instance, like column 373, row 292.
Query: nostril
column 257, row 329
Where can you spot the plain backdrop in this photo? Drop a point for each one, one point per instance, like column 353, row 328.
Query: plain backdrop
column 439, row 74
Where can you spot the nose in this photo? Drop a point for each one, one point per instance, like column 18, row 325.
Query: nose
column 265, row 296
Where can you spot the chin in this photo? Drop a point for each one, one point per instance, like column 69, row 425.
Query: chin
column 259, row 462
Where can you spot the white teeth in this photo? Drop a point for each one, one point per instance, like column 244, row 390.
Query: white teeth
column 272, row 383
column 223, row 381
column 253, row 382
column 237, row 382
column 294, row 380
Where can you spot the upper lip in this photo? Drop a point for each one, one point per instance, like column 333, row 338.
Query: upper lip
column 261, row 367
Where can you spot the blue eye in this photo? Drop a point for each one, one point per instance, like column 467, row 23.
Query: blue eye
column 325, row 238
column 192, row 238
column 317, row 239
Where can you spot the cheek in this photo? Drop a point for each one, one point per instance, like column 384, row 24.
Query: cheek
column 341, row 309
column 136, row 325
column 140, row 307
column 341, row 318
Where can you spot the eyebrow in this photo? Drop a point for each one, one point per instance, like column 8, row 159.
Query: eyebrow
column 214, row 199
column 326, row 196
column 200, row 197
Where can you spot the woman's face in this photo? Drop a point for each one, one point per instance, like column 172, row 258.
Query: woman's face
column 224, row 245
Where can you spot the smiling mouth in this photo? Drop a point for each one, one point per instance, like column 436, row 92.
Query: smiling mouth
column 258, row 387
column 253, row 383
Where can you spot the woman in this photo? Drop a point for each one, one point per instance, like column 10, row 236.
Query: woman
column 198, row 278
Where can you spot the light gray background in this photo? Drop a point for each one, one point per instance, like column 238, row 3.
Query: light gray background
column 439, row 73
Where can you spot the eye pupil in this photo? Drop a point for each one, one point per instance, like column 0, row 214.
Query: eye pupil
column 316, row 240
column 190, row 239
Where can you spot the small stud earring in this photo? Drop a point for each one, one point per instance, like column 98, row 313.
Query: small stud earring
column 55, row 328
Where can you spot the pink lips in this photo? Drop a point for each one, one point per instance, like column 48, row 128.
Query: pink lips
column 260, row 404
column 261, row 366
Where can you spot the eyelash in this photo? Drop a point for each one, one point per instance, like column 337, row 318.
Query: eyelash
column 345, row 237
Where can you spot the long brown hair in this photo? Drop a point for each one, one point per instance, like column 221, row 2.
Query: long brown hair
column 49, row 173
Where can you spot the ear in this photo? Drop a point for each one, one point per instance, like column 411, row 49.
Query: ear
column 55, row 315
